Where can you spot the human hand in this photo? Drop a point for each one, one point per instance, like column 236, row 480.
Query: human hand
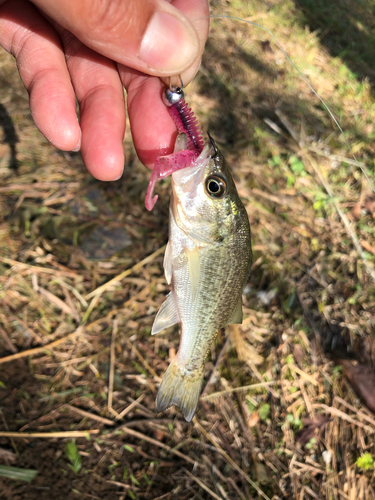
column 86, row 49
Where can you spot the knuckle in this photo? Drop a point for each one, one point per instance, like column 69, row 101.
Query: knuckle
column 109, row 15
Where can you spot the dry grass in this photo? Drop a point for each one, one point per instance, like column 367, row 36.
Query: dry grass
column 81, row 280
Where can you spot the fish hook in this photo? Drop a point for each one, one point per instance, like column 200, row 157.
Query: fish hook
column 213, row 145
column 176, row 87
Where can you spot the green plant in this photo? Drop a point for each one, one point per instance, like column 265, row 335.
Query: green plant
column 311, row 444
column 71, row 451
column 264, row 411
column 365, row 462
column 16, row 473
column 296, row 422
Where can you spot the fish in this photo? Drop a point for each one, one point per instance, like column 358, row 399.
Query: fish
column 207, row 262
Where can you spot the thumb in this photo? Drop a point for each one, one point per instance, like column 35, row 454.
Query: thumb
column 150, row 36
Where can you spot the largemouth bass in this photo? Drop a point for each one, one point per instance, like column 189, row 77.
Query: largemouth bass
column 207, row 262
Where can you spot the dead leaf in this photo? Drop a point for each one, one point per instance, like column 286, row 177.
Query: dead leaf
column 312, row 428
column 254, row 419
column 356, row 211
column 370, row 205
column 7, row 456
column 362, row 379
column 367, row 246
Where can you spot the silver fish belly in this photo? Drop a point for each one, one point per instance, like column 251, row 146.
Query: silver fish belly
column 207, row 262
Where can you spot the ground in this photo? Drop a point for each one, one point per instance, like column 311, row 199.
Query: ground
column 286, row 410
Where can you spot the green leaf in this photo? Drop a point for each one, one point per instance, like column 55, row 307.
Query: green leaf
column 17, row 473
column 289, row 359
column 125, row 474
column 264, row 411
column 71, row 451
column 297, row 165
column 134, row 480
column 365, row 462
column 275, row 161
column 311, row 444
column 147, row 479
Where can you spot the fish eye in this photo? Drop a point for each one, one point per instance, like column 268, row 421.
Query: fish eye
column 216, row 186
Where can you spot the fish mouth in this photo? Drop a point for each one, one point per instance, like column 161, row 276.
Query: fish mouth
column 187, row 179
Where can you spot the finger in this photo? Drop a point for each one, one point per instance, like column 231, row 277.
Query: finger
column 41, row 63
column 151, row 36
column 100, row 95
column 198, row 13
column 153, row 129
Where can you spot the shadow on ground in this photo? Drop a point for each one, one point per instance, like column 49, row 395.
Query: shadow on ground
column 9, row 136
column 346, row 29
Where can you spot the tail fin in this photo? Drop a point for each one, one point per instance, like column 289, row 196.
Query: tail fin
column 181, row 388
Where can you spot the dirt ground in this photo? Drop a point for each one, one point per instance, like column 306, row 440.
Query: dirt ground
column 288, row 405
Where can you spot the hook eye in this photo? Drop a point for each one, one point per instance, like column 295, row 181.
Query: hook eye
column 172, row 85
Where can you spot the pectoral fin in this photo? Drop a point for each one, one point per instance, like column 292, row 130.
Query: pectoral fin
column 194, row 269
column 236, row 316
column 168, row 263
column 167, row 315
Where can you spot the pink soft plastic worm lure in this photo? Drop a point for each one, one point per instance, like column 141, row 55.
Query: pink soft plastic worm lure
column 186, row 123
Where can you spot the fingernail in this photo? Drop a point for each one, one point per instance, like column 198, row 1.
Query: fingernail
column 119, row 177
column 169, row 44
column 78, row 147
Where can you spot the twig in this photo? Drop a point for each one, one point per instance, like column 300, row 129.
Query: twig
column 7, row 340
column 118, row 278
column 37, row 269
column 284, row 120
column 124, row 305
column 303, row 374
column 355, row 410
column 37, row 350
column 90, row 308
column 345, row 220
column 327, row 187
column 112, row 368
column 74, row 291
column 218, row 361
column 49, row 435
column 344, row 416
column 117, row 483
column 143, row 361
column 143, row 437
column 130, row 407
column 87, row 414
column 202, row 485
column 230, row 460
column 242, row 388
column 60, row 304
